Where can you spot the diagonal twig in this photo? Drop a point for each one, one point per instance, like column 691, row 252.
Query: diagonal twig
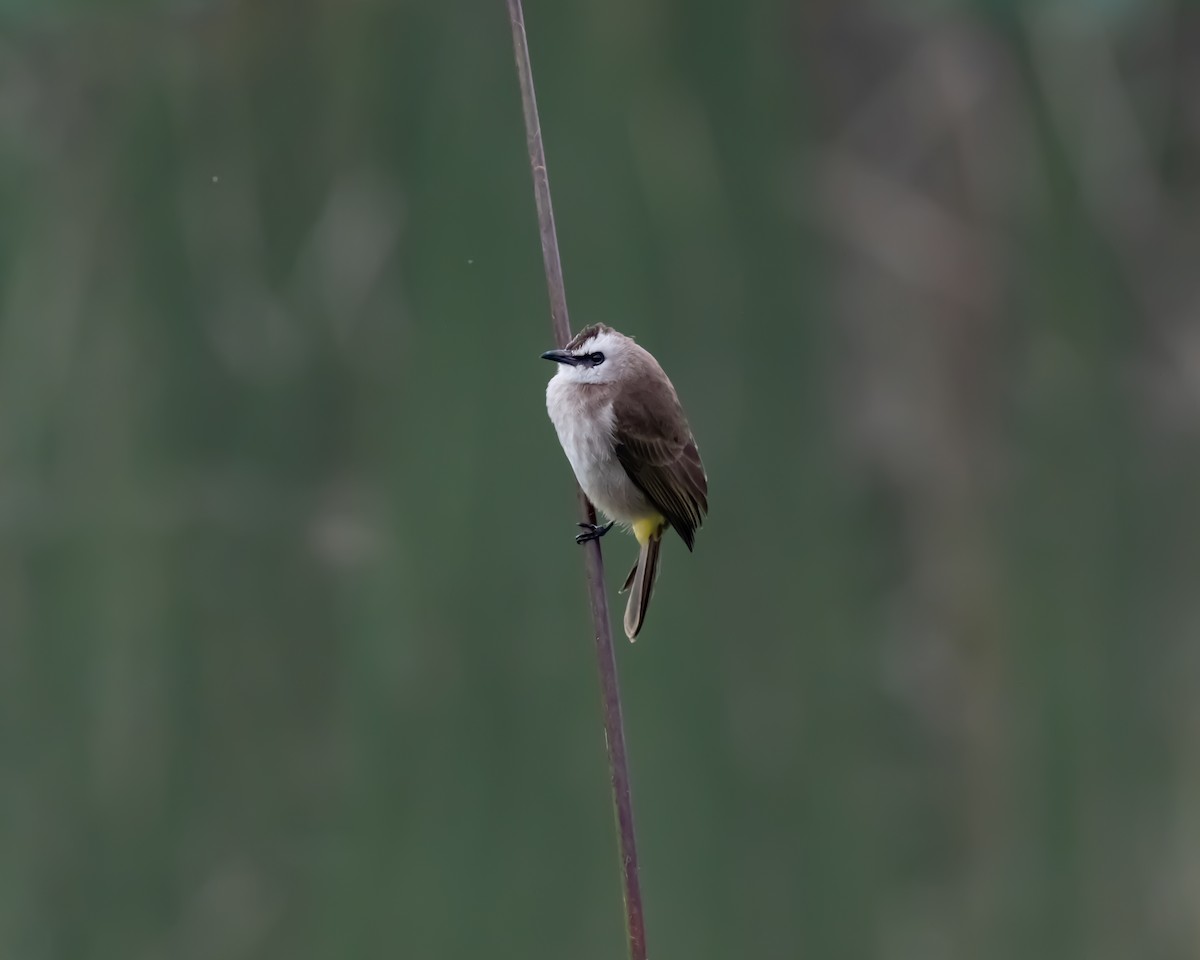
column 614, row 728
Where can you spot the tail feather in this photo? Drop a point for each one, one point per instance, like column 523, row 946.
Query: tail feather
column 641, row 580
column 632, row 573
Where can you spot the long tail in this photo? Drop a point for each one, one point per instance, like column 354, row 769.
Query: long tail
column 641, row 579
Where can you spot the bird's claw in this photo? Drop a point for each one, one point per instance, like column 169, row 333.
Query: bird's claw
column 593, row 531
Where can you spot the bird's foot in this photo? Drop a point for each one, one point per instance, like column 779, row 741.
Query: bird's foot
column 593, row 531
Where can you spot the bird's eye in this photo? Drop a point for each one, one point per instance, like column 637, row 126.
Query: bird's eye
column 597, row 359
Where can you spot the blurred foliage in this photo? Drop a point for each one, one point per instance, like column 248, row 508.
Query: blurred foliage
column 294, row 655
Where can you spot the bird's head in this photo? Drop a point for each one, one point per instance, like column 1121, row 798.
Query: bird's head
column 597, row 354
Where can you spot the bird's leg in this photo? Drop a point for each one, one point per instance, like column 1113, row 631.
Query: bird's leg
column 593, row 531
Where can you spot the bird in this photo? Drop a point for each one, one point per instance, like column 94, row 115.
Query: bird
column 625, row 434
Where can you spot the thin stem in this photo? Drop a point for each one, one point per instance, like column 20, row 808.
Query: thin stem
column 614, row 727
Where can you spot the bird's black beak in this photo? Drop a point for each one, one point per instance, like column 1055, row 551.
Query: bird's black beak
column 560, row 356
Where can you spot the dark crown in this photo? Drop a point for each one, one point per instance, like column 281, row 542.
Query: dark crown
column 586, row 334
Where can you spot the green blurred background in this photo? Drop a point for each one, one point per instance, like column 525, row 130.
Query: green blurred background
column 294, row 653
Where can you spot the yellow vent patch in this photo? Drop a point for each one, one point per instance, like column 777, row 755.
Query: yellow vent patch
column 648, row 527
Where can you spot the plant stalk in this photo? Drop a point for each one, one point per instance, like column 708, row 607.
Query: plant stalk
column 610, row 694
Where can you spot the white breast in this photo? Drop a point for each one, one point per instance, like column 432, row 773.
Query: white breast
column 585, row 430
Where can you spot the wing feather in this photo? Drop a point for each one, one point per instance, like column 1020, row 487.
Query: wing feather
column 657, row 450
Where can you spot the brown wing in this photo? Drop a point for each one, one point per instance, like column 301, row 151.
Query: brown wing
column 655, row 446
